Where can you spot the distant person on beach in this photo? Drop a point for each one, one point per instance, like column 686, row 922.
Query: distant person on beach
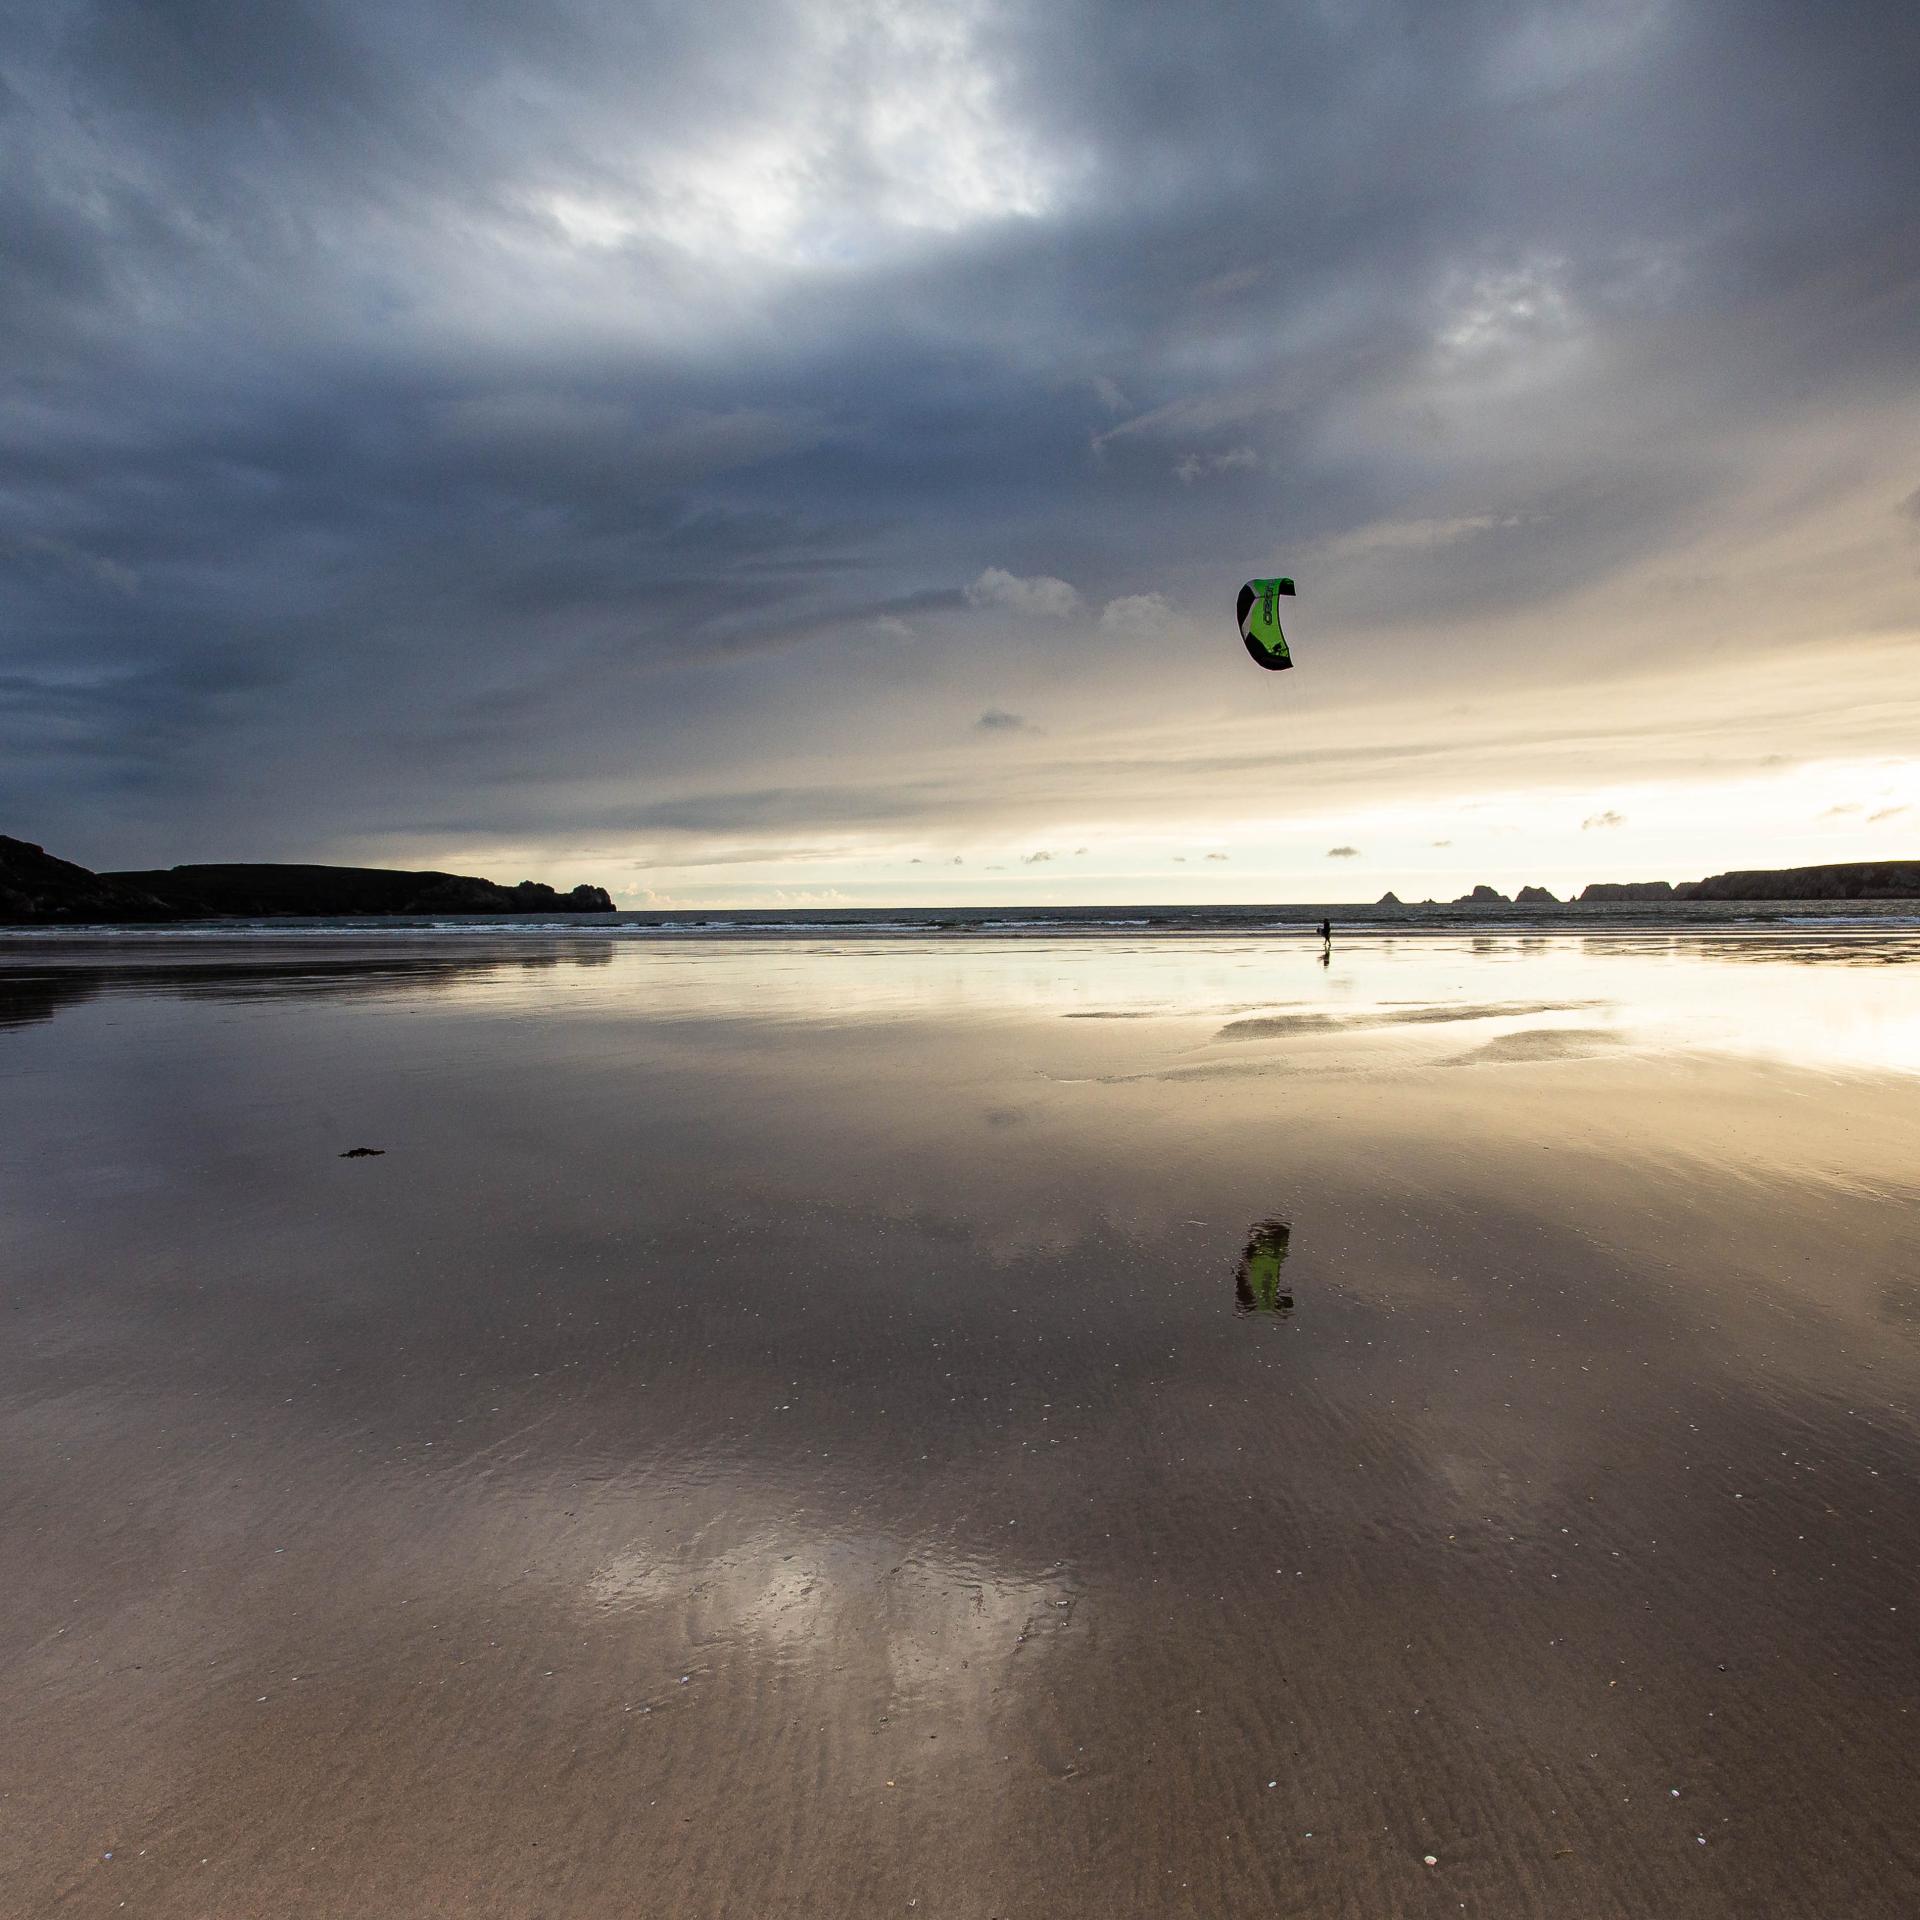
column 1326, row 931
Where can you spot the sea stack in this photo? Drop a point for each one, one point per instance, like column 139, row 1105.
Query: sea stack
column 1628, row 890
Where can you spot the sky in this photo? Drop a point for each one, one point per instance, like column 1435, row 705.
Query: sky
column 761, row 454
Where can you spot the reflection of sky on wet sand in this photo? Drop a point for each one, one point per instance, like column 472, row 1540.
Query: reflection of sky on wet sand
column 776, row 1428
column 943, row 1634
column 1839, row 999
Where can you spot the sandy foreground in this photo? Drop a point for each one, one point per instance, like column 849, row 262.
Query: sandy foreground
column 1027, row 1429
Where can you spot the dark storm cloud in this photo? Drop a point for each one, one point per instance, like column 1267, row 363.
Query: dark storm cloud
column 407, row 409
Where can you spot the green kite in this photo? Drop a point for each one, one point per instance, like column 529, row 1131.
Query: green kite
column 1260, row 623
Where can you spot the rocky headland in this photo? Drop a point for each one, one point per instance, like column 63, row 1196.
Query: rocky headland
column 1850, row 880
column 36, row 889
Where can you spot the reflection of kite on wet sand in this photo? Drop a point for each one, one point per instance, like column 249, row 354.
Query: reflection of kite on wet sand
column 1256, row 1281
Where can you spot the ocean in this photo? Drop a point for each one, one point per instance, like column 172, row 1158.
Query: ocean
column 1293, row 919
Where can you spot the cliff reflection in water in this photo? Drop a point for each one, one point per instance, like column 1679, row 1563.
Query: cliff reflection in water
column 65, row 974
column 1257, row 1286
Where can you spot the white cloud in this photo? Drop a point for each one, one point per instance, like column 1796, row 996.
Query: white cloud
column 870, row 122
column 1041, row 595
column 1506, row 311
column 1390, row 536
column 1136, row 616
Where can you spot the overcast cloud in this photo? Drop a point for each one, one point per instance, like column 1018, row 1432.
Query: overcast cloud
column 719, row 450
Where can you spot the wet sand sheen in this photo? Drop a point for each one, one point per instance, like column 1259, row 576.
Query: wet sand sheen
column 808, row 1430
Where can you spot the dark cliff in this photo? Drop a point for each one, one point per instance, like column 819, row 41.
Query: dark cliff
column 1855, row 880
column 1851, row 880
column 36, row 890
column 1628, row 890
column 266, row 891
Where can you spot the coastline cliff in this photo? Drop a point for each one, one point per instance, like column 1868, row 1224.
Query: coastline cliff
column 268, row 890
column 36, row 889
column 1848, row 880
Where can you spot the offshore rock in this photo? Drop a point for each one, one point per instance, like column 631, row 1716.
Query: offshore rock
column 1628, row 890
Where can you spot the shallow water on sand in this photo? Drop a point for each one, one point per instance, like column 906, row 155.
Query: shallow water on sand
column 1077, row 1427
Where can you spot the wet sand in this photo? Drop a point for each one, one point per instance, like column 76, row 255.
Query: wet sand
column 1028, row 1429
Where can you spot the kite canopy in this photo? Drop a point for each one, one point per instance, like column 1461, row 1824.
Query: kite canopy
column 1260, row 623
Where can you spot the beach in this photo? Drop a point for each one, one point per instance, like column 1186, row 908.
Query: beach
column 1049, row 1426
